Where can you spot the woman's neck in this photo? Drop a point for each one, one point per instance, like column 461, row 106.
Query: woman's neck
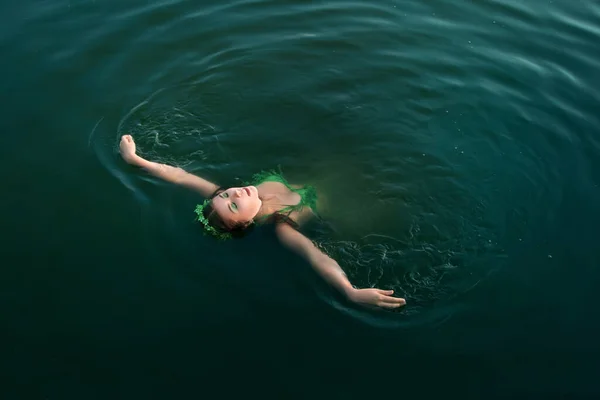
column 270, row 204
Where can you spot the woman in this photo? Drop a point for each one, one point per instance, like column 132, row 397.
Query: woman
column 228, row 212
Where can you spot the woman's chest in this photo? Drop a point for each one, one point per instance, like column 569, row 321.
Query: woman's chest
column 279, row 198
column 277, row 194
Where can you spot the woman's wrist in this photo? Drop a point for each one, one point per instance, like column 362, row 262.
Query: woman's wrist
column 134, row 160
column 350, row 291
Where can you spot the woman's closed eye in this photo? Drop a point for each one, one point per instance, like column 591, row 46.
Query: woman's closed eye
column 232, row 206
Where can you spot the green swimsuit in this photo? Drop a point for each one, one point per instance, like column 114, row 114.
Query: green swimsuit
column 308, row 194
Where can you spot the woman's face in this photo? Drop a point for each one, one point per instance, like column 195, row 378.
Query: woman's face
column 237, row 205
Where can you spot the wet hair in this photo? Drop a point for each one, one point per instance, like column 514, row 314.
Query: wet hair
column 237, row 231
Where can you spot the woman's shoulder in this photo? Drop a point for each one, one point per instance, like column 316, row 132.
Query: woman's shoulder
column 296, row 217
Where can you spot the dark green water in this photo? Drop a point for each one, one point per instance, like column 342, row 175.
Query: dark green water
column 455, row 142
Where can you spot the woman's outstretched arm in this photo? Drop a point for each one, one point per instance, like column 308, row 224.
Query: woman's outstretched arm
column 163, row 171
column 330, row 270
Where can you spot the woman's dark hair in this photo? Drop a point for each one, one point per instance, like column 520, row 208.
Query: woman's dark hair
column 238, row 231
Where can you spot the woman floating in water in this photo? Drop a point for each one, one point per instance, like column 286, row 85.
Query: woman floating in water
column 271, row 199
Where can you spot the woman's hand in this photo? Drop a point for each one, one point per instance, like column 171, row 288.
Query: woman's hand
column 376, row 297
column 127, row 148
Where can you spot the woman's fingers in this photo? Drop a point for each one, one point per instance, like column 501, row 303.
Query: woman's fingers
column 390, row 305
column 393, row 300
column 379, row 298
column 390, row 302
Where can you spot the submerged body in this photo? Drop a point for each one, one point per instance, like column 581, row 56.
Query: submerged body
column 270, row 199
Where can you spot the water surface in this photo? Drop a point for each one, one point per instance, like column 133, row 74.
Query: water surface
column 455, row 145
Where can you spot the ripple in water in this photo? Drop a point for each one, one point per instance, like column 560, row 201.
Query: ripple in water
column 426, row 122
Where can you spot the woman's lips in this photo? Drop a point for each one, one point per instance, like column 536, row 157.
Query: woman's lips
column 247, row 189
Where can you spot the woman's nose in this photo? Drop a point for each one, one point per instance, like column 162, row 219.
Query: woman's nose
column 238, row 192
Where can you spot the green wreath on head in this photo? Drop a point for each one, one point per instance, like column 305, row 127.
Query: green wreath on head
column 208, row 228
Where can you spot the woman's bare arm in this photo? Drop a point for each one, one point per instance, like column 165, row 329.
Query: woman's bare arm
column 166, row 172
column 330, row 270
